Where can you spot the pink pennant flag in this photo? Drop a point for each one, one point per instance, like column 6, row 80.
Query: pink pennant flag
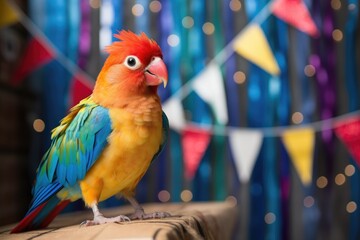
column 295, row 12
column 80, row 89
column 194, row 144
column 349, row 133
column 36, row 55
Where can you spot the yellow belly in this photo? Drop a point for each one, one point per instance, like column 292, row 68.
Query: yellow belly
column 125, row 160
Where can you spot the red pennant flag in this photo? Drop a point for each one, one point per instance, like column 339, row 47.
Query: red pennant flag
column 80, row 89
column 36, row 54
column 349, row 132
column 295, row 13
column 194, row 144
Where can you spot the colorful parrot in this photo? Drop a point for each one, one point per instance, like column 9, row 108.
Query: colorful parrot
column 106, row 143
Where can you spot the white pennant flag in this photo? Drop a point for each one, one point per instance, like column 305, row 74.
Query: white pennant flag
column 245, row 146
column 175, row 113
column 209, row 86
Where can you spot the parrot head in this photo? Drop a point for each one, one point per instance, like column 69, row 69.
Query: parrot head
column 133, row 68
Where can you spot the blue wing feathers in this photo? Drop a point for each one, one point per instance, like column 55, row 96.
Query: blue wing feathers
column 42, row 194
column 76, row 144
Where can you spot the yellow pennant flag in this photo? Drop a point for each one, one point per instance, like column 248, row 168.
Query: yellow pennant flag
column 253, row 45
column 300, row 145
column 8, row 15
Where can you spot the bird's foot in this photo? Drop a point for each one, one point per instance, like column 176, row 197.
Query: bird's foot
column 141, row 215
column 100, row 219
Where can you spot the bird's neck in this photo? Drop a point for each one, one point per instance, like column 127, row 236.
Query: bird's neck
column 112, row 99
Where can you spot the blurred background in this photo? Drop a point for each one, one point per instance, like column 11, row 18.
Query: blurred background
column 263, row 102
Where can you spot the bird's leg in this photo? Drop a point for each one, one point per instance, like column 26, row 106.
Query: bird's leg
column 100, row 219
column 140, row 213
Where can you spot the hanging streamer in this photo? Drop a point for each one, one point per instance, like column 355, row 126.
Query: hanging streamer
column 218, row 142
column 352, row 86
column 257, row 81
column 118, row 17
column 107, row 18
column 84, row 37
column 142, row 20
column 170, row 55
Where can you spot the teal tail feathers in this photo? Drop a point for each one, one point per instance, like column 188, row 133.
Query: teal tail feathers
column 41, row 216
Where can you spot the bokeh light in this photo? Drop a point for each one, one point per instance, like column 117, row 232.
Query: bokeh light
column 336, row 4
column 297, row 118
column 349, row 170
column 137, row 10
column 187, row 22
column 340, row 179
column 208, row 28
column 95, row 3
column 155, row 6
column 164, row 196
column 186, row 196
column 270, row 218
column 39, row 125
column 235, row 5
column 309, row 201
column 309, row 70
column 231, row 200
column 321, row 182
column 239, row 77
column 351, row 207
column 352, row 6
column 173, row 40
column 337, row 35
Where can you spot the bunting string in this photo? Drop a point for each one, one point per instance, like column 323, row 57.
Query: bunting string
column 225, row 53
column 319, row 126
column 69, row 65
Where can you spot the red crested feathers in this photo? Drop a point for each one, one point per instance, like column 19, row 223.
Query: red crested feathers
column 131, row 44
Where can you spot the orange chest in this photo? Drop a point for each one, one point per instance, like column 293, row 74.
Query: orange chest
column 132, row 144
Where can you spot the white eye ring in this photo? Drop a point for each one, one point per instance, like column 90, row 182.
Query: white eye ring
column 132, row 62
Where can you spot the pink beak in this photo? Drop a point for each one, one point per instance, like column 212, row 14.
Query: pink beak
column 156, row 72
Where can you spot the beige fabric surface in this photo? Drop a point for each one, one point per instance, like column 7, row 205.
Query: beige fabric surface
column 211, row 220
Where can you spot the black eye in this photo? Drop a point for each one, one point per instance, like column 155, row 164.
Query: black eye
column 132, row 62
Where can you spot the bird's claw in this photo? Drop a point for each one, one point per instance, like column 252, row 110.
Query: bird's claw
column 102, row 220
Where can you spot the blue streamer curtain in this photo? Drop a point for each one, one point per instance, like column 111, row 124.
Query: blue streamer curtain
column 276, row 194
column 263, row 110
column 51, row 17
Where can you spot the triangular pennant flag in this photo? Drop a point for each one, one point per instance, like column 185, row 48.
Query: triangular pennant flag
column 36, row 54
column 299, row 144
column 80, row 89
column 194, row 144
column 8, row 14
column 209, row 86
column 175, row 113
column 295, row 12
column 245, row 146
column 253, row 45
column 349, row 133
